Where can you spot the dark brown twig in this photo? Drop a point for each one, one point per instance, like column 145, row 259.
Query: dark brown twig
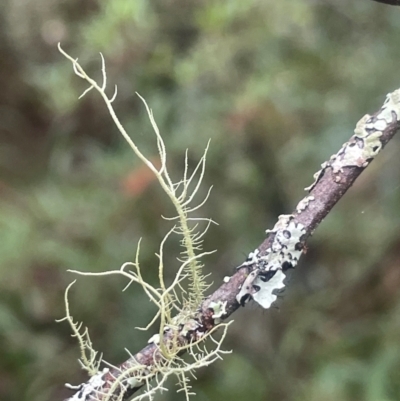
column 391, row 2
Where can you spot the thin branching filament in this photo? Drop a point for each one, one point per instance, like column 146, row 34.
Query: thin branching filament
column 176, row 302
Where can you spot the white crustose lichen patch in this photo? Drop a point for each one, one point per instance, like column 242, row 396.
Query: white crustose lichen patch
column 365, row 144
column 303, row 204
column 264, row 283
column 251, row 259
column 219, row 309
column 133, row 382
column 154, row 339
column 87, row 389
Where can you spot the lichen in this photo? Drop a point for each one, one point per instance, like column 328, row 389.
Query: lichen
column 219, row 309
column 267, row 279
column 154, row 339
column 176, row 303
column 84, row 391
column 266, row 295
column 365, row 144
column 283, row 221
column 303, row 204
column 251, row 259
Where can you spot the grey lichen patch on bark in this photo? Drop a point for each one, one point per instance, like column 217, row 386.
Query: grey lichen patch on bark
column 86, row 390
column 219, row 309
column 303, row 204
column 366, row 142
column 266, row 281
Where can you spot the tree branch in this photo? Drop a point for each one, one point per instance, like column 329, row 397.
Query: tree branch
column 331, row 183
column 391, row 2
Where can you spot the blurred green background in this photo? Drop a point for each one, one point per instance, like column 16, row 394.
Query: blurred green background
column 278, row 87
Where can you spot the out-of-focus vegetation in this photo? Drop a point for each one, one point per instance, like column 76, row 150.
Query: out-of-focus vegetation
column 278, row 86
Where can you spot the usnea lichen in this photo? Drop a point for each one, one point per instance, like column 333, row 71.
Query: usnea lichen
column 177, row 307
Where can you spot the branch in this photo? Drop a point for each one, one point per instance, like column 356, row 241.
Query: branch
column 391, row 2
column 262, row 275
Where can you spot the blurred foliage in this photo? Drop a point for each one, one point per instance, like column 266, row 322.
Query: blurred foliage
column 278, row 86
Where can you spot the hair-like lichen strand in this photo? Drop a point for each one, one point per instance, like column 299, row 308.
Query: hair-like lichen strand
column 177, row 302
